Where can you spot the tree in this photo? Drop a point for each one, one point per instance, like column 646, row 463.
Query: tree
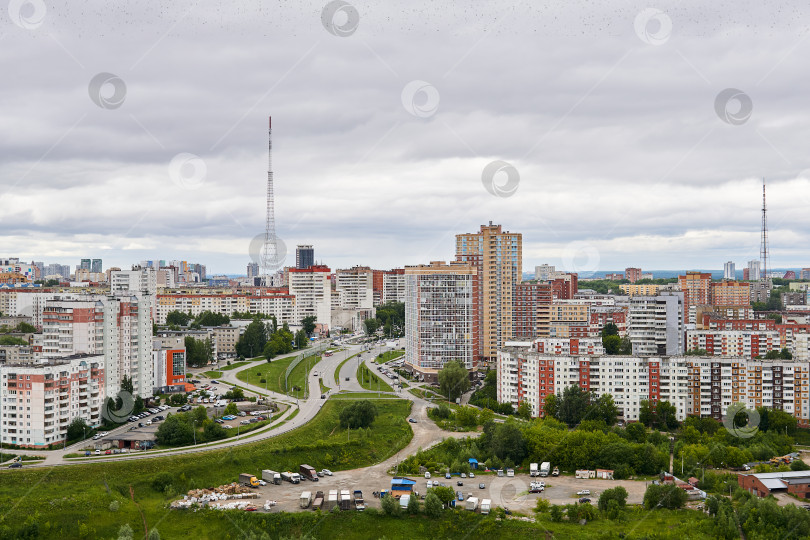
column 12, row 340
column 612, row 344
column 454, row 380
column 506, row 441
column 139, row 406
column 573, row 405
column 199, row 415
column 636, row 432
column 25, row 328
column 236, row 394
column 467, row 416
column 213, row 432
column 359, row 414
column 433, row 506
column 125, row 532
column 646, row 413
column 413, row 505
column 199, row 352
column 126, row 385
column 524, row 410
column 178, row 318
column 389, row 505
column 77, row 429
column 231, row 409
column 176, row 430
column 799, row 465
column 444, row 493
column 551, row 406
column 664, row 496
column 625, row 346
column 308, row 324
column 618, row 494
column 371, row 325
column 252, row 342
column 603, row 408
column 610, row 329
column 667, row 415
column 301, row 339
column 209, row 318
column 178, row 399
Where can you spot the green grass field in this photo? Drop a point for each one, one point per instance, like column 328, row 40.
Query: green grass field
column 74, row 501
column 388, row 356
column 324, row 388
column 361, row 395
column 300, row 375
column 213, row 374
column 371, row 381
column 272, row 372
column 235, row 365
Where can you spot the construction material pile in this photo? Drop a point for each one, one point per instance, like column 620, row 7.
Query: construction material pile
column 221, row 493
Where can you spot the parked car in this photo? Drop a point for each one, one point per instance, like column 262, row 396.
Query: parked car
column 219, row 420
column 245, row 422
column 459, row 483
column 15, row 465
column 411, row 420
column 427, row 474
column 98, row 452
column 447, row 476
column 472, row 475
column 140, row 424
column 464, row 475
column 481, row 486
column 584, row 492
column 459, row 496
column 430, row 484
column 327, row 472
column 584, row 500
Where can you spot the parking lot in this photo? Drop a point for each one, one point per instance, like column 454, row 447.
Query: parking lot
column 512, row 493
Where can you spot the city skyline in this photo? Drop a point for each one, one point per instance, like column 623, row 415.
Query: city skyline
column 392, row 151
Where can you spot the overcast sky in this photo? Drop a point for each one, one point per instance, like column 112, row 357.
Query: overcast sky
column 623, row 144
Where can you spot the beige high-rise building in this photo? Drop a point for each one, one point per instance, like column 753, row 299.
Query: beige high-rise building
column 498, row 256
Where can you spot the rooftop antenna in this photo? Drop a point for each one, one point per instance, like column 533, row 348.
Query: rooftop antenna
column 269, row 251
column 764, row 278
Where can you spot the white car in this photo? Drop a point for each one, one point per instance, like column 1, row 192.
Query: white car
column 262, row 483
column 148, row 422
column 427, row 475
column 327, row 472
column 584, row 492
column 104, row 433
column 430, row 484
column 472, row 475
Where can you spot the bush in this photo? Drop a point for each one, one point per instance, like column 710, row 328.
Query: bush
column 114, row 506
column 433, row 506
column 542, row 506
column 413, row 505
column 664, row 496
column 358, row 414
column 389, row 505
column 160, row 481
column 556, row 513
column 618, row 494
column 799, row 465
column 125, row 532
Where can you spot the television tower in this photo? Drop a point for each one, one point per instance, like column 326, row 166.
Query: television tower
column 764, row 279
column 269, row 251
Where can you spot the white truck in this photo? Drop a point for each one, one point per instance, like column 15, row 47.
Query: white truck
column 472, row 504
column 545, row 468
column 485, row 506
column 271, row 477
column 306, row 499
column 332, row 500
column 533, row 470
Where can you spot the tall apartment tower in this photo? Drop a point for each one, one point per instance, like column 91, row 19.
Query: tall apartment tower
column 96, row 266
column 441, row 317
column 304, row 257
column 696, row 287
column 729, row 271
column 632, row 274
column 498, row 256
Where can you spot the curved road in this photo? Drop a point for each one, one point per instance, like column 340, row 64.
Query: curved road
column 307, row 408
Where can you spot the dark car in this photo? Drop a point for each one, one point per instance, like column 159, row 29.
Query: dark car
column 323, row 396
column 140, row 424
column 411, row 420
column 447, row 476
column 459, row 483
column 459, row 496
column 584, row 500
column 15, row 465
column 347, row 378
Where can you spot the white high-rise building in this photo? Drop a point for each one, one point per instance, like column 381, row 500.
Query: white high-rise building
column 729, row 271
column 544, row 272
column 355, row 288
column 754, row 270
column 655, row 324
column 137, row 280
column 393, row 286
column 440, row 317
column 312, row 290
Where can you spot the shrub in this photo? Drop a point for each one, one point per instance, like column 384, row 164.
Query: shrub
column 161, row 480
column 389, row 505
column 556, row 513
column 542, row 506
column 433, row 506
column 664, row 496
column 413, row 505
column 114, row 506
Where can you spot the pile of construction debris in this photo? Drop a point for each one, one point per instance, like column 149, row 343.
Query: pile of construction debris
column 221, row 493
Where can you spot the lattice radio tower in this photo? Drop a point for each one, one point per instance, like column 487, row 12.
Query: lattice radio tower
column 764, row 279
column 269, row 251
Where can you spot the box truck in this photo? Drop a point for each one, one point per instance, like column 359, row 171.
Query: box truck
column 345, row 499
column 545, row 468
column 291, row 477
column 472, row 504
column 332, row 501
column 485, row 506
column 533, row 470
column 249, row 480
column 305, row 499
column 308, row 472
column 271, row 477
column 318, row 502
